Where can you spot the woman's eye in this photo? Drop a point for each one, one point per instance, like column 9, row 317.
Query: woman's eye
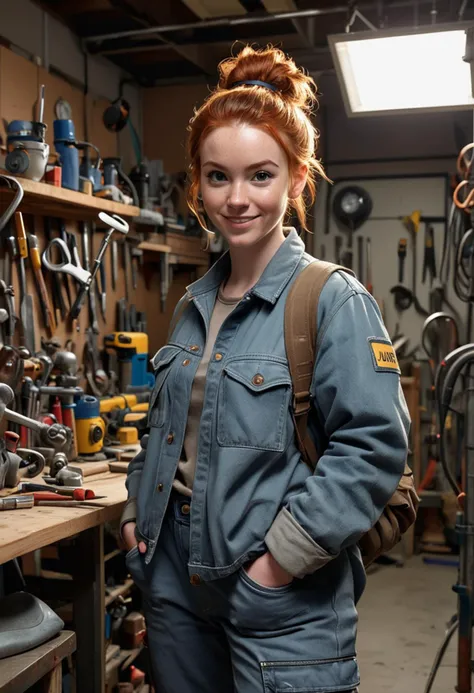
column 216, row 176
column 263, row 176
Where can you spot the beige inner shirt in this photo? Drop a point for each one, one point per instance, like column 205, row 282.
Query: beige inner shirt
column 183, row 482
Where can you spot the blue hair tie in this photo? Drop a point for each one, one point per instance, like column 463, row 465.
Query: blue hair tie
column 256, row 82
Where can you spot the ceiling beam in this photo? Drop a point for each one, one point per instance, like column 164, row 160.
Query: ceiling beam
column 306, row 33
column 206, row 9
column 202, row 58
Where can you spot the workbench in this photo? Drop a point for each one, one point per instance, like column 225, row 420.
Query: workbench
column 24, row 531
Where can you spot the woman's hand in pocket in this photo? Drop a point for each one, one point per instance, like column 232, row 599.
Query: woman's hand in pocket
column 128, row 535
column 267, row 572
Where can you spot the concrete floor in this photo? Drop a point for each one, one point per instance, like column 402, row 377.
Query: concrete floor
column 403, row 615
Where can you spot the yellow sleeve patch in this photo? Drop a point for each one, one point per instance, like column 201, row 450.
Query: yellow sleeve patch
column 383, row 355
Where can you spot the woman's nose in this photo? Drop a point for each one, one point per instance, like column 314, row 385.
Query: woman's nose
column 237, row 196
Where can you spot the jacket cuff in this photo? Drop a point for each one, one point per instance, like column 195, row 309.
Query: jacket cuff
column 129, row 513
column 293, row 548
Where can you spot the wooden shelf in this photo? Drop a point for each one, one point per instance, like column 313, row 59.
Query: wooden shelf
column 49, row 200
column 154, row 247
column 19, row 672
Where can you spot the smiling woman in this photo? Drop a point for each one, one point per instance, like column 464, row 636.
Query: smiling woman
column 248, row 560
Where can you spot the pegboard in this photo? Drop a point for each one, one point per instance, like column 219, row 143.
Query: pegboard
column 391, row 197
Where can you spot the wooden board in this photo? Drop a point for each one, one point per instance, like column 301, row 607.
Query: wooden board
column 22, row 531
column 49, row 200
column 19, row 672
column 119, row 467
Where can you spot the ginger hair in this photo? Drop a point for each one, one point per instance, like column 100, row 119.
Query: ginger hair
column 284, row 115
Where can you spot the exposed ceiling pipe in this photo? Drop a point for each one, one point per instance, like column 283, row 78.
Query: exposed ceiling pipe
column 247, row 19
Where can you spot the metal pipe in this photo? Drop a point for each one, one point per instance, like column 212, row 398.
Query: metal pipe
column 247, row 19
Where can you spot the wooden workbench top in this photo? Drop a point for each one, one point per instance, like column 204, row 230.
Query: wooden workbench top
column 22, row 531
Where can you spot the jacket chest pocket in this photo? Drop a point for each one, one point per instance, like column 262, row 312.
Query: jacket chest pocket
column 160, row 400
column 253, row 403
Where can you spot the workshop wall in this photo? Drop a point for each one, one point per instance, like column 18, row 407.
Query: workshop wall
column 44, row 41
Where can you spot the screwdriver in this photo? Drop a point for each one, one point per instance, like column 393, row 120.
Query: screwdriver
column 402, row 253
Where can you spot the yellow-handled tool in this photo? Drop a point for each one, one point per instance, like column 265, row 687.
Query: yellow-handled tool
column 46, row 309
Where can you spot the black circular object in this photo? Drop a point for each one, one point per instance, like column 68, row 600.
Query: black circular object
column 17, row 161
column 352, row 206
column 116, row 116
column 96, row 434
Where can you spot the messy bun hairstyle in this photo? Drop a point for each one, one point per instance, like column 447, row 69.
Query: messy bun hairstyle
column 284, row 114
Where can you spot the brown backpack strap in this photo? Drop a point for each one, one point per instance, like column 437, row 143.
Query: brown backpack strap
column 301, row 323
column 179, row 310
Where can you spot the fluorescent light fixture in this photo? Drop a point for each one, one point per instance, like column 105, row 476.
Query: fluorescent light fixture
column 399, row 71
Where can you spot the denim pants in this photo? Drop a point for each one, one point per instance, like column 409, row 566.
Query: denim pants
column 233, row 635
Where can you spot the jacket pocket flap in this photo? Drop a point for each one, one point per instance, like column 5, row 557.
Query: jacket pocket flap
column 164, row 356
column 311, row 676
column 258, row 374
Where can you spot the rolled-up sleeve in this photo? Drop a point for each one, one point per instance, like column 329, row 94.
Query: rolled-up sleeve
column 358, row 400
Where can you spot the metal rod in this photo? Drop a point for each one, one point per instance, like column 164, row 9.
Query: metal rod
column 247, row 19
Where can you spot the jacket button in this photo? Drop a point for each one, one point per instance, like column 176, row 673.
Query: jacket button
column 218, row 357
column 194, row 347
column 186, row 362
column 258, row 379
column 170, row 438
column 195, row 579
column 159, row 487
column 185, row 508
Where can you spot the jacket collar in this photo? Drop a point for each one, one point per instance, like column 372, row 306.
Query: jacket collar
column 273, row 279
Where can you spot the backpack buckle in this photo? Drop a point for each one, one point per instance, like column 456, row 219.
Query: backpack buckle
column 301, row 402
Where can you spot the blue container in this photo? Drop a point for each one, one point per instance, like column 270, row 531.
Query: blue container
column 65, row 144
column 25, row 130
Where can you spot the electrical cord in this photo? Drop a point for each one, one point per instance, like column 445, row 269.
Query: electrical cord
column 452, row 627
column 445, row 381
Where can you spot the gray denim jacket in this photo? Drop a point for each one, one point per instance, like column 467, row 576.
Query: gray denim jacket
column 252, row 492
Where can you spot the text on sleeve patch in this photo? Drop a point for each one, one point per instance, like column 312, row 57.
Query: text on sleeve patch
column 383, row 355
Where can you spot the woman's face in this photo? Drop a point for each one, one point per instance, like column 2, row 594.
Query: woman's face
column 245, row 183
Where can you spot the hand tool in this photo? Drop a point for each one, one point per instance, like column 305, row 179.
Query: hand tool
column 58, row 300
column 137, row 258
column 402, row 253
column 14, row 204
column 133, row 318
column 56, row 436
column 63, row 235
column 70, row 492
column 103, row 290
column 25, row 407
column 360, row 258
column 404, row 297
column 8, row 327
column 16, row 502
column 42, row 290
column 429, row 257
column 114, row 258
column 115, row 223
column 69, row 504
column 126, row 267
column 57, row 497
column 86, row 260
column 26, row 300
column 85, row 278
column 94, row 373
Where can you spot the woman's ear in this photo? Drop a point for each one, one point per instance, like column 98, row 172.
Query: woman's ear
column 298, row 182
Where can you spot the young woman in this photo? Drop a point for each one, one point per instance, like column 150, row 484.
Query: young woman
column 247, row 560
